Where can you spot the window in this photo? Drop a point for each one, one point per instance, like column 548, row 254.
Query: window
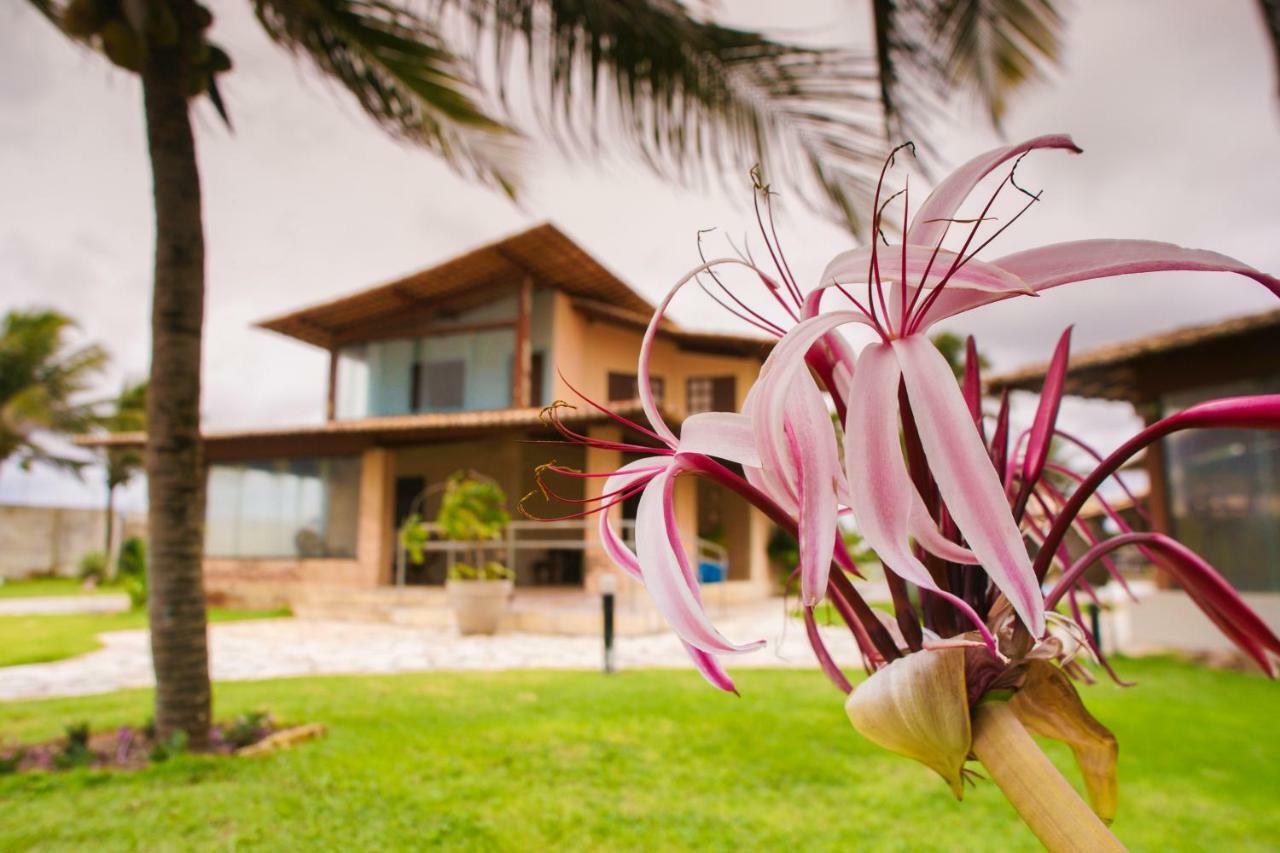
column 1222, row 486
column 626, row 386
column 283, row 508
column 537, row 367
column 712, row 394
column 438, row 385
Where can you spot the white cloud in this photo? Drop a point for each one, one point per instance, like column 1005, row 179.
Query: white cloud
column 307, row 200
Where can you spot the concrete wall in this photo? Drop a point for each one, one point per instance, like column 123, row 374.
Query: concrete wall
column 587, row 351
column 1168, row 620
column 38, row 539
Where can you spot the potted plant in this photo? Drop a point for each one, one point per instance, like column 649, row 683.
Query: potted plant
column 474, row 511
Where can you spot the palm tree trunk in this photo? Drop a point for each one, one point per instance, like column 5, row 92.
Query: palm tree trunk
column 175, row 471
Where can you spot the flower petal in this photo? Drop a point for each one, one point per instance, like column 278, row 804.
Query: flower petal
column 710, row 668
column 631, row 474
column 1084, row 260
column 644, row 386
column 816, row 459
column 1041, row 433
column 879, row 486
column 966, row 480
column 1081, row 260
column 885, row 503
column 929, row 223
column 725, row 435
column 667, row 574
column 852, row 267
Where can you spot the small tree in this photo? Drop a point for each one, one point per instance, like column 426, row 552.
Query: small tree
column 474, row 511
column 41, row 375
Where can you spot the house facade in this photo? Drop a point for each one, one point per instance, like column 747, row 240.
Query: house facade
column 449, row 369
column 1217, row 491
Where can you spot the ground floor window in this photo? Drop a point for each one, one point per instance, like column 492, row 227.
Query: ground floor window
column 306, row 507
column 1224, row 491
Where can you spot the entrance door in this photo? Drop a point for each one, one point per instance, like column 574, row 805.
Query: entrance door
column 407, row 491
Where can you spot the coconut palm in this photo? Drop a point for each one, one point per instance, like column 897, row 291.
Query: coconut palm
column 126, row 413
column 683, row 91
column 42, row 375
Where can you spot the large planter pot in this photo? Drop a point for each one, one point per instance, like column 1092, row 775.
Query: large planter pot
column 479, row 605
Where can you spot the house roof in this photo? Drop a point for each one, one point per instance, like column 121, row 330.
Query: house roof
column 349, row 435
column 543, row 253
column 1138, row 370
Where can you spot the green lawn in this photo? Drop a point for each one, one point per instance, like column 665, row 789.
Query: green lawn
column 37, row 638
column 51, row 586
column 641, row 760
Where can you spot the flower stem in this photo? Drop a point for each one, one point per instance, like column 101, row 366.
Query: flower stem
column 1044, row 800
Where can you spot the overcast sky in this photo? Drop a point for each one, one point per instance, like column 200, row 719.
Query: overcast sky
column 306, row 200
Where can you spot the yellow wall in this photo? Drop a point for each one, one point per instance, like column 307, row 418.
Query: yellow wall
column 587, row 350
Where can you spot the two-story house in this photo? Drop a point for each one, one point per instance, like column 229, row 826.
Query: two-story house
column 449, row 369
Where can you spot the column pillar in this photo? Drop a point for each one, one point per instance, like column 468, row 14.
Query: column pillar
column 375, row 537
column 523, row 356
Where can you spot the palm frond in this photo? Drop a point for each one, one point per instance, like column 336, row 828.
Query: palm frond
column 402, row 74
column 994, row 47
column 685, row 93
column 926, row 50
column 1270, row 10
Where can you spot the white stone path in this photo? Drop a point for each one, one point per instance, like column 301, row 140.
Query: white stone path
column 275, row 648
column 105, row 603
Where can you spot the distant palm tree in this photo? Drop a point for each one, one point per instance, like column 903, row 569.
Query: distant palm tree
column 42, row 375
column 126, row 413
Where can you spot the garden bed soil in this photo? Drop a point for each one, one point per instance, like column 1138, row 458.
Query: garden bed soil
column 134, row 748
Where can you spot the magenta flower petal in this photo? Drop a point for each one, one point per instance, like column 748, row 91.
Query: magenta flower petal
column 812, row 446
column 1206, row 587
column 1041, row 433
column 725, row 435
column 667, row 574
column 1083, row 260
column 930, row 223
column 967, row 482
column 924, row 530
column 851, row 267
column 885, row 503
column 628, row 476
column 710, row 668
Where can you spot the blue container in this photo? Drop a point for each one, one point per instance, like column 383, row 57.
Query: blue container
column 709, row 572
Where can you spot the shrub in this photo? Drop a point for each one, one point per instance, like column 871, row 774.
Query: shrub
column 76, row 753
column 175, row 745
column 131, row 568
column 247, row 729
column 93, row 566
column 490, row 571
column 135, row 586
column 132, row 561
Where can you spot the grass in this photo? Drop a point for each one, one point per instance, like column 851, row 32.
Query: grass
column 649, row 760
column 39, row 638
column 32, row 587
column 825, row 614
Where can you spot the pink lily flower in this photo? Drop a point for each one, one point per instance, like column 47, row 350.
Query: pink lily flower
column 942, row 507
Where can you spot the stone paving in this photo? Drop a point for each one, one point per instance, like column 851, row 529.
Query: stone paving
column 107, row 603
column 275, row 648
